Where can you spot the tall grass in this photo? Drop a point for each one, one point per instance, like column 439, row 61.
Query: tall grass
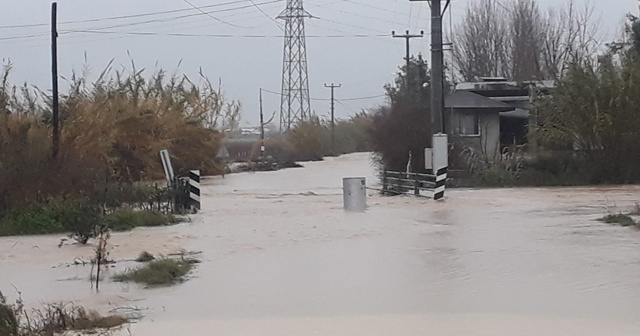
column 311, row 140
column 111, row 131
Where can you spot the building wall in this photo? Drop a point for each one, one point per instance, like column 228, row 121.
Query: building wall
column 486, row 143
column 490, row 134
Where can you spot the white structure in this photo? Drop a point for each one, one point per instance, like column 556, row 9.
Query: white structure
column 354, row 191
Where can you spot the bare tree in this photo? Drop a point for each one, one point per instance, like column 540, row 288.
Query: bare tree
column 527, row 38
column 517, row 41
column 481, row 41
column 570, row 36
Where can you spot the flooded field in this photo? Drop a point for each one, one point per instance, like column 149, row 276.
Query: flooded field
column 281, row 257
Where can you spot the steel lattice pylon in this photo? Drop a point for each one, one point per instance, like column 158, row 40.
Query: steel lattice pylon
column 295, row 104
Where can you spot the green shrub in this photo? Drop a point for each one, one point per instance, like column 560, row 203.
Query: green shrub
column 78, row 218
column 127, row 219
column 9, row 322
column 114, row 195
column 158, row 272
column 496, row 178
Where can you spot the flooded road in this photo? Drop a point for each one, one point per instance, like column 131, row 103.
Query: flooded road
column 280, row 257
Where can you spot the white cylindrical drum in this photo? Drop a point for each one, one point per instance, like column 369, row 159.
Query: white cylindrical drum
column 354, row 191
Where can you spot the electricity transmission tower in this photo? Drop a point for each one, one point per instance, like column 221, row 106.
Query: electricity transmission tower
column 295, row 103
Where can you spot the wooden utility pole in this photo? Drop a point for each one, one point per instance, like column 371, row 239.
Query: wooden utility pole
column 261, row 128
column 333, row 123
column 55, row 120
column 437, row 64
column 408, row 38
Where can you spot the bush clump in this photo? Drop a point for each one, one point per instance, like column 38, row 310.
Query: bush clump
column 79, row 218
column 145, row 256
column 620, row 219
column 110, row 131
column 54, row 319
column 9, row 321
column 126, row 219
column 311, row 140
column 158, row 272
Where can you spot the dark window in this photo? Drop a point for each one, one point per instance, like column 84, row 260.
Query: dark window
column 469, row 124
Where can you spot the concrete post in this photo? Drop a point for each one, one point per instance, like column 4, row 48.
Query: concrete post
column 440, row 164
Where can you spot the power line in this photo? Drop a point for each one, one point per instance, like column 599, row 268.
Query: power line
column 351, row 25
column 129, row 24
column 363, row 98
column 124, row 17
column 106, row 32
column 386, row 10
column 22, row 37
column 327, row 99
column 360, row 15
column 265, row 14
column 211, row 16
column 345, row 106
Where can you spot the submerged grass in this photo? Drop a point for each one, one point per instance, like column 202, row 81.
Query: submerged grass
column 620, row 219
column 54, row 319
column 158, row 272
column 127, row 219
column 65, row 217
column 82, row 319
column 145, row 257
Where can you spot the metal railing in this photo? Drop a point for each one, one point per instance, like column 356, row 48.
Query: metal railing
column 395, row 183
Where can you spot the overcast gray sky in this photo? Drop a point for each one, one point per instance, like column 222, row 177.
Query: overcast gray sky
column 245, row 64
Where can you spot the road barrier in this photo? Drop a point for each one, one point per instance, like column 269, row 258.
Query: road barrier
column 185, row 190
column 194, row 189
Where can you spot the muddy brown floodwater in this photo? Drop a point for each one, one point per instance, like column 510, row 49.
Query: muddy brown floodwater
column 280, row 257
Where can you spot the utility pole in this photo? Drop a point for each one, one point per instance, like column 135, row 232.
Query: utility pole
column 437, row 64
column 261, row 128
column 333, row 123
column 408, row 38
column 54, row 72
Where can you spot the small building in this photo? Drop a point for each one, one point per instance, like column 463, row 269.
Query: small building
column 473, row 122
column 492, row 113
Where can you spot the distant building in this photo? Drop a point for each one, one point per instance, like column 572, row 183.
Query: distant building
column 492, row 113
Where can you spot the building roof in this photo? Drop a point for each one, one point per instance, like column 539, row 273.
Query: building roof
column 466, row 100
column 517, row 113
column 495, row 84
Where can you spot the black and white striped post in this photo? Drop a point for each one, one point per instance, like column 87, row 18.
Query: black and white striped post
column 440, row 164
column 190, row 185
column 194, row 189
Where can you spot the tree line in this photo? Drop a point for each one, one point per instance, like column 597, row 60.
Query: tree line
column 519, row 40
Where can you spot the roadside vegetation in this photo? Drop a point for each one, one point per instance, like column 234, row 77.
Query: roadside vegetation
column 158, row 272
column 111, row 132
column 309, row 140
column 80, row 218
